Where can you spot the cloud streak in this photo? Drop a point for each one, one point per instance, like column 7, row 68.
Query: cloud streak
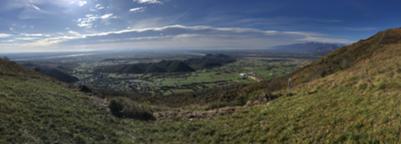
column 4, row 35
column 208, row 31
column 137, row 10
column 148, row 1
column 176, row 36
column 90, row 19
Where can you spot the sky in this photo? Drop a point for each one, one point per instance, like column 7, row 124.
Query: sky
column 87, row 25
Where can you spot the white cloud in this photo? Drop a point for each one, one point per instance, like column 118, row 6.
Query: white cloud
column 148, row 1
column 79, row 3
column 137, row 10
column 198, row 36
column 99, row 6
column 34, row 35
column 173, row 36
column 74, row 33
column 36, row 7
column 4, row 35
column 41, row 9
column 13, row 4
column 82, row 3
column 33, row 11
column 107, row 16
column 89, row 20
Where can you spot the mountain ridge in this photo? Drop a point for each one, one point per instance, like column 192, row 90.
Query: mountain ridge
column 345, row 57
column 307, row 48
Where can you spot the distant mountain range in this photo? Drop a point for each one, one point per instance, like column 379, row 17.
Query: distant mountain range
column 309, row 48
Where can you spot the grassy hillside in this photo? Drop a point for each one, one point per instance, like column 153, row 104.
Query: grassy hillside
column 13, row 69
column 347, row 56
column 36, row 110
column 357, row 103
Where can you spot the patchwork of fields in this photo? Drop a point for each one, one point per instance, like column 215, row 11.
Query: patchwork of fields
column 174, row 83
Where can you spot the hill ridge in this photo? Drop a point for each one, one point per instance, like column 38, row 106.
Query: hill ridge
column 345, row 57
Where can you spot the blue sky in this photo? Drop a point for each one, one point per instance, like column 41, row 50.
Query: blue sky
column 70, row 25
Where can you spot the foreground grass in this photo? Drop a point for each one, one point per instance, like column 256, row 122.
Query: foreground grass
column 40, row 111
column 330, row 116
column 352, row 106
column 50, row 113
column 358, row 105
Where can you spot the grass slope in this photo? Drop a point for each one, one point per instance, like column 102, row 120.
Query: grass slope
column 358, row 104
column 348, row 56
column 37, row 110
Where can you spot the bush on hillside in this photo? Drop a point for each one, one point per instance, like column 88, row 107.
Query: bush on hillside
column 126, row 108
column 5, row 58
column 85, row 89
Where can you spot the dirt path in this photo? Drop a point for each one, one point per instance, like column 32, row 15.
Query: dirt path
column 193, row 115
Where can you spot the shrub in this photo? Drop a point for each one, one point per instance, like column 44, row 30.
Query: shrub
column 5, row 58
column 85, row 89
column 126, row 108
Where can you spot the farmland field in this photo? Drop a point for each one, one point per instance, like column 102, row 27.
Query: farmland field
column 151, row 84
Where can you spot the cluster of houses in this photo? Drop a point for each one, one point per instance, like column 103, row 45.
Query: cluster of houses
column 250, row 75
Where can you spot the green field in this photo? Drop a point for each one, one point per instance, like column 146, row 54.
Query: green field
column 173, row 83
column 265, row 68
